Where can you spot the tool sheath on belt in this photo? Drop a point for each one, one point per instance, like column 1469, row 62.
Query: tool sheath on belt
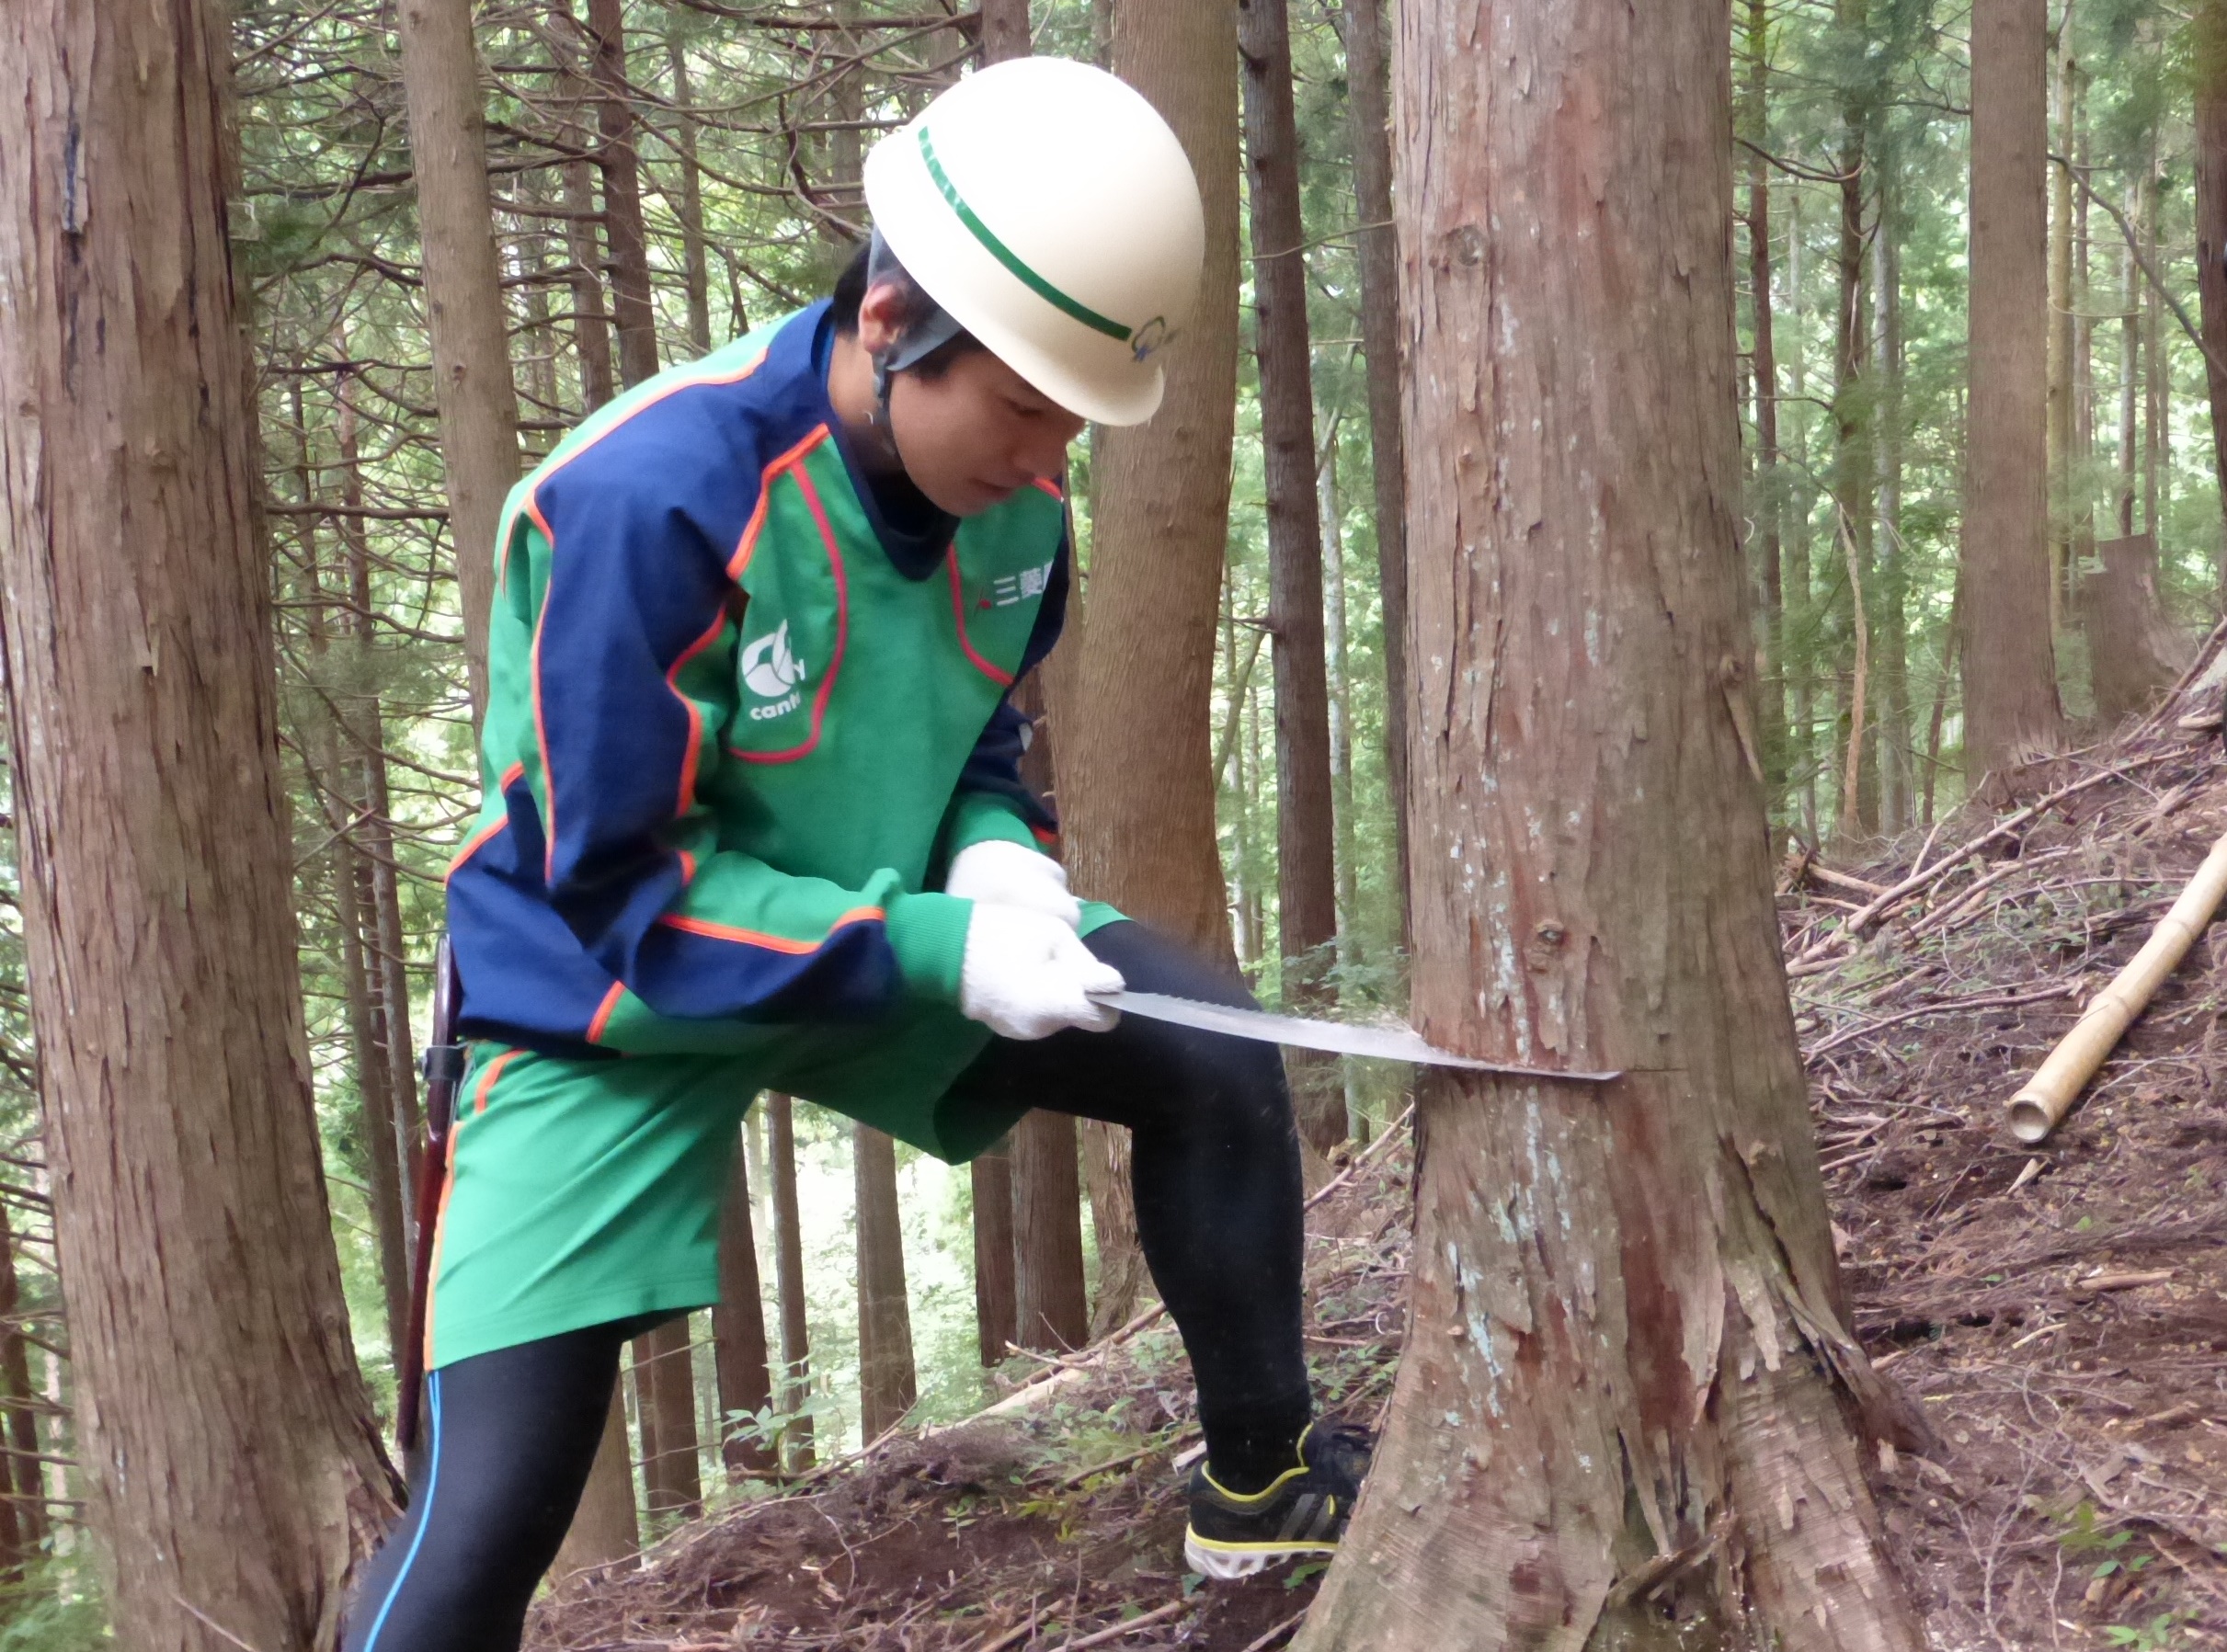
column 443, row 1066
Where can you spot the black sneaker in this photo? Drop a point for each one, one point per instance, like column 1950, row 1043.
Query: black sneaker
column 1302, row 1512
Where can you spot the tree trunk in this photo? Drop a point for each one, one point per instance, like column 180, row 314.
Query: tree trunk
column 606, row 1528
column 995, row 1321
column 1005, row 33
column 472, row 384
column 1122, row 1275
column 2010, row 682
column 887, row 1384
column 696, row 280
column 1052, row 1309
column 1765, row 502
column 1617, row 1421
column 2159, row 379
column 622, row 168
column 789, row 1281
column 1893, row 740
column 2135, row 651
column 365, row 727
column 738, row 1331
column 1307, row 906
column 375, row 1102
column 2210, row 63
column 1857, row 814
column 2060, row 337
column 231, row 1463
column 2129, row 363
column 665, row 1401
column 22, row 1512
column 1368, row 99
column 1134, row 708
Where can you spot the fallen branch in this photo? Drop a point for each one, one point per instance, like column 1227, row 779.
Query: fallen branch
column 1142, row 1621
column 2038, row 1108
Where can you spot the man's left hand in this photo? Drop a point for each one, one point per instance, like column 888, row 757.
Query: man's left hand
column 1011, row 874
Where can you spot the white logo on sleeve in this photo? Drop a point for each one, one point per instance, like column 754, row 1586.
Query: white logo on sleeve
column 771, row 672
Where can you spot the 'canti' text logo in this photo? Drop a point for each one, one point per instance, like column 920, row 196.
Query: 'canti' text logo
column 771, row 672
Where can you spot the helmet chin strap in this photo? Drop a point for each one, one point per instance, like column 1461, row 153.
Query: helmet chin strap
column 923, row 334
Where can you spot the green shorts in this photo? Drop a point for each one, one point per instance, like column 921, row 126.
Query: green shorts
column 584, row 1192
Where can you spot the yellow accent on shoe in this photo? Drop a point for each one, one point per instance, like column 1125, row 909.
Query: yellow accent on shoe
column 1247, row 1498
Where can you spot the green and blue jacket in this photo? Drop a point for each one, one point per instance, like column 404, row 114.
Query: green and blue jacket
column 739, row 719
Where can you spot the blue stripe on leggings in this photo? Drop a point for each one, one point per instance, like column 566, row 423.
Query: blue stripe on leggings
column 425, row 1512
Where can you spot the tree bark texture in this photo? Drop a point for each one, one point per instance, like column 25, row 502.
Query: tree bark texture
column 606, row 1528
column 472, row 384
column 2060, row 425
column 1005, row 31
column 2135, row 651
column 231, row 1464
column 23, row 1523
column 2010, row 675
column 738, row 1329
column 1135, row 784
column 995, row 1322
column 1368, row 94
column 1764, row 505
column 1106, row 1179
column 622, row 166
column 789, row 1279
column 1053, row 1309
column 1306, row 876
column 665, row 1404
column 887, row 1382
column 2211, row 63
column 1617, row 1420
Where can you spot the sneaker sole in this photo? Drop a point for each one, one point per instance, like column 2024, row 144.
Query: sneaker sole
column 1226, row 1563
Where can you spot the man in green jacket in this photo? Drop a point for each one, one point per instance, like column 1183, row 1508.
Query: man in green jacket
column 753, row 820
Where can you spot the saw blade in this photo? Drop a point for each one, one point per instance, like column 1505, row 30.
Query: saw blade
column 1336, row 1038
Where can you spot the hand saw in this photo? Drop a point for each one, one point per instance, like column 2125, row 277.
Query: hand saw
column 1339, row 1038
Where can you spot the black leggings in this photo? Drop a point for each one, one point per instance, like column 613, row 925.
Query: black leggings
column 511, row 1435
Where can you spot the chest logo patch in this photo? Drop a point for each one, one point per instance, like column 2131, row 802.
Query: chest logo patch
column 771, row 672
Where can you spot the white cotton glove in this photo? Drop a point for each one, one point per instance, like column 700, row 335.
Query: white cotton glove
column 1025, row 975
column 1012, row 874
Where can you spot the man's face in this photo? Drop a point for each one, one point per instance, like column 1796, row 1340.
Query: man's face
column 977, row 432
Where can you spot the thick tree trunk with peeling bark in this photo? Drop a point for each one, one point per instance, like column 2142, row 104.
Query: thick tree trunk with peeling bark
column 1621, row 1417
column 230, row 1461
column 471, row 385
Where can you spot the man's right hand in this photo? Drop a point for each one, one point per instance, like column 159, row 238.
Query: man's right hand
column 1026, row 975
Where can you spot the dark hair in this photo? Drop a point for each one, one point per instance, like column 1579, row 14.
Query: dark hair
column 850, row 292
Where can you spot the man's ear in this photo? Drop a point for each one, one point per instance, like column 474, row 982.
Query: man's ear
column 881, row 316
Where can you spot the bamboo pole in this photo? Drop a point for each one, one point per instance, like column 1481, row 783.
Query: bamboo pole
column 2040, row 1107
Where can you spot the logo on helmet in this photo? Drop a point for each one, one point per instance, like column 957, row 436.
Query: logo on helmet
column 1148, row 338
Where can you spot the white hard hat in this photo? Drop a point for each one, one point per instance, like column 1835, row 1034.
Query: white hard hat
column 1049, row 208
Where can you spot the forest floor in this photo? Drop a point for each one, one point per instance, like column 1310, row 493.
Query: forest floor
column 2059, row 1312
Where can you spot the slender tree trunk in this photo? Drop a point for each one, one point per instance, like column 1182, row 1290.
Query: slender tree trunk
column 1307, row 906
column 1135, row 787
column 2129, row 364
column 886, row 1382
column 606, row 1528
column 1337, row 656
column 1051, row 1308
column 471, row 385
column 366, row 726
column 2080, row 491
column 1617, row 1421
column 2060, row 337
column 696, row 280
column 665, row 1404
column 375, row 1101
column 1765, row 504
column 1857, row 814
column 1796, row 649
column 789, row 1281
column 738, row 1330
column 995, row 1322
column 622, row 168
column 2159, row 379
column 2211, row 62
column 19, row 1513
column 1367, row 100
column 230, row 1461
column 2010, row 682
column 1893, row 569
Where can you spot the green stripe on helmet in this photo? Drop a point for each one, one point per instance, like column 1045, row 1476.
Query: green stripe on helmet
column 1010, row 260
